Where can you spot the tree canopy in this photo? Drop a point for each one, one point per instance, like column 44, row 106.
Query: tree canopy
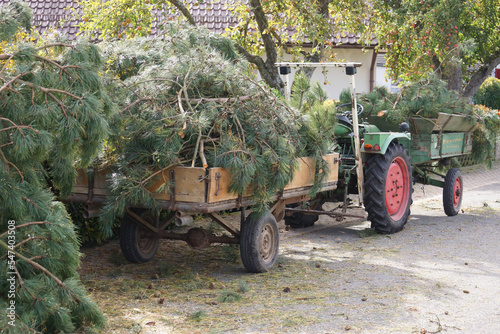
column 266, row 28
column 458, row 40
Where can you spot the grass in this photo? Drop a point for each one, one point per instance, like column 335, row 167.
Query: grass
column 197, row 316
column 189, row 291
column 229, row 297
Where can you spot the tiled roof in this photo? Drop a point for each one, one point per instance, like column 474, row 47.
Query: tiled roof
column 213, row 15
column 49, row 13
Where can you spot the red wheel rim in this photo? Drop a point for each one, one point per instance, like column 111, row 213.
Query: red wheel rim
column 397, row 188
column 457, row 192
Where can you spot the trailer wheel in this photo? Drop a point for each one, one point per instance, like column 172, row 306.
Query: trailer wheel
column 452, row 192
column 388, row 189
column 136, row 245
column 259, row 242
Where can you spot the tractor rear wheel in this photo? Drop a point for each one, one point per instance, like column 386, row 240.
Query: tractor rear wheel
column 452, row 192
column 299, row 219
column 388, row 189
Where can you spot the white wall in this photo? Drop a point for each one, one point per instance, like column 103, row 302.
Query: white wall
column 336, row 80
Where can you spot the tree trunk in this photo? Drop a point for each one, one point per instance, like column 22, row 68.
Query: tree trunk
column 452, row 74
column 267, row 69
column 479, row 76
column 180, row 6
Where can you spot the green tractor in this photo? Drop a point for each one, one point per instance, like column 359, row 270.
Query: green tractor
column 380, row 162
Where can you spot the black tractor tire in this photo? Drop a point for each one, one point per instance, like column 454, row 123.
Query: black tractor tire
column 452, row 192
column 388, row 189
column 259, row 242
column 135, row 245
column 299, row 219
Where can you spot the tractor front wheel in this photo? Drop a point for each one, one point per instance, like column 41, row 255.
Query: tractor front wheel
column 388, row 189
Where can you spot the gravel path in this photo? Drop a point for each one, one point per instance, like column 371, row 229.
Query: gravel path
column 440, row 274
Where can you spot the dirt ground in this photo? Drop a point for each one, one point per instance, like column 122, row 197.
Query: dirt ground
column 439, row 275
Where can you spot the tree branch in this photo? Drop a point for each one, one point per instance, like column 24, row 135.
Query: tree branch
column 25, row 225
column 15, row 126
column 43, row 269
column 7, row 163
column 480, row 75
column 46, row 46
column 267, row 69
column 263, row 24
column 50, row 90
column 180, row 6
column 62, row 68
column 11, row 81
column 32, row 238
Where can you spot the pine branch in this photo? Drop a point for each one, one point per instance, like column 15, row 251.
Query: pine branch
column 25, row 225
column 32, row 238
column 50, row 45
column 8, row 163
column 50, row 90
column 237, row 151
column 202, row 154
column 43, row 269
column 29, row 200
column 21, row 283
column 6, row 144
column 62, row 68
column 5, row 86
column 196, row 147
column 15, row 126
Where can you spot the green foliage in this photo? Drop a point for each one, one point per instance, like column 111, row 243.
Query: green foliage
column 426, row 98
column 52, row 114
column 14, row 17
column 486, row 136
column 186, row 100
column 320, row 116
column 425, row 36
column 488, row 94
column 229, row 297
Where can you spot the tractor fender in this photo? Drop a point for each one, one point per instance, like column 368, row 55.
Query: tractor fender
column 377, row 143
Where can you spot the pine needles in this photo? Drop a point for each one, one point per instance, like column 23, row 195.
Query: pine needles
column 186, row 99
column 52, row 117
column 426, row 99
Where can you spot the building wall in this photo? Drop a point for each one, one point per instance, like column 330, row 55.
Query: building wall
column 334, row 80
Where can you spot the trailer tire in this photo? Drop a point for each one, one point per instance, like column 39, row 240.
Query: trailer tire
column 388, row 189
column 259, row 242
column 452, row 192
column 135, row 246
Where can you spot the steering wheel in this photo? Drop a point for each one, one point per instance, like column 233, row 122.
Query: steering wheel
column 348, row 112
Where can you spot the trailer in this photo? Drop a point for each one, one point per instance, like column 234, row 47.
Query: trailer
column 187, row 191
column 376, row 162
